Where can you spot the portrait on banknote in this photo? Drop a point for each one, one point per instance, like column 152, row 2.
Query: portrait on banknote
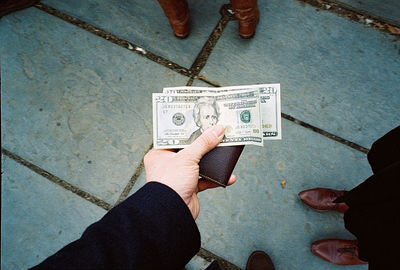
column 205, row 114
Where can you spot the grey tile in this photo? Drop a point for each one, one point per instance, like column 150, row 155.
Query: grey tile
column 335, row 74
column 143, row 22
column 201, row 83
column 140, row 182
column 75, row 104
column 38, row 217
column 388, row 10
column 256, row 213
column 197, row 263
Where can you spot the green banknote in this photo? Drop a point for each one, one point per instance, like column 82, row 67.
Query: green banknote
column 179, row 118
column 270, row 103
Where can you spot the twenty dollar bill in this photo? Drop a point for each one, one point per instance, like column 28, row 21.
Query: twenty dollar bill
column 270, row 103
column 179, row 119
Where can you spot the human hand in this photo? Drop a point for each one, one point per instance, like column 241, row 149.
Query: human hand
column 180, row 171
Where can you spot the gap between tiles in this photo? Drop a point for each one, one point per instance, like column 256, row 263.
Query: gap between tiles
column 87, row 196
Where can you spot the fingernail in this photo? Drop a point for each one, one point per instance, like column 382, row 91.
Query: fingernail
column 218, row 130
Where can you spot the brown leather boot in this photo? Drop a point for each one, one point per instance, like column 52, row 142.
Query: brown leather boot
column 177, row 12
column 259, row 260
column 248, row 15
column 322, row 199
column 337, row 251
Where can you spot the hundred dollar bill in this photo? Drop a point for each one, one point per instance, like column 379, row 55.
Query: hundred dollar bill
column 270, row 104
column 179, row 119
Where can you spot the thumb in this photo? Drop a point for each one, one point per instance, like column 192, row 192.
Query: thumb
column 205, row 143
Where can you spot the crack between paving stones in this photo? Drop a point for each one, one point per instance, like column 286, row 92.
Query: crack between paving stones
column 209, row 256
column 214, row 84
column 190, row 81
column 212, row 40
column 85, row 195
column 368, row 14
column 360, row 16
column 205, row 52
column 114, row 39
column 325, row 133
column 133, row 180
column 192, row 72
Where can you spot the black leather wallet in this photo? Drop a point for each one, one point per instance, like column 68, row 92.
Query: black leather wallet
column 218, row 164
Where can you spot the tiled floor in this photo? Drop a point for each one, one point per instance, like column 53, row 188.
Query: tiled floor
column 389, row 10
column 332, row 71
column 76, row 120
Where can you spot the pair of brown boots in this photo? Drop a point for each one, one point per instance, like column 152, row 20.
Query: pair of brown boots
column 177, row 12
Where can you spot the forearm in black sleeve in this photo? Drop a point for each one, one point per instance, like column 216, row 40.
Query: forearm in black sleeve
column 152, row 229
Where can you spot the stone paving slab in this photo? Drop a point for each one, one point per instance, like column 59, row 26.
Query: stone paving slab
column 197, row 263
column 143, row 23
column 141, row 180
column 74, row 104
column 38, row 217
column 257, row 213
column 335, row 74
column 388, row 10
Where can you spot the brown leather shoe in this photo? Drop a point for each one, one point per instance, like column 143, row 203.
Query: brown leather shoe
column 177, row 12
column 259, row 260
column 322, row 199
column 248, row 15
column 337, row 251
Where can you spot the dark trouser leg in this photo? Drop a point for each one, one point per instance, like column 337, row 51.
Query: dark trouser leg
column 385, row 151
column 374, row 216
column 8, row 6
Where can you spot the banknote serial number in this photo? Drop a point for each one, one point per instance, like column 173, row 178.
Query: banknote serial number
column 268, row 90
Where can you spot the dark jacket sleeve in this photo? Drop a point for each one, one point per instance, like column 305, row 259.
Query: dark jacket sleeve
column 152, row 229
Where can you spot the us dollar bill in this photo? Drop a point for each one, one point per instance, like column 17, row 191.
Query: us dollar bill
column 179, row 119
column 270, row 103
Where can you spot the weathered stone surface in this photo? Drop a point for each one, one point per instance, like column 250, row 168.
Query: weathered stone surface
column 388, row 10
column 336, row 74
column 197, row 263
column 143, row 23
column 38, row 217
column 75, row 104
